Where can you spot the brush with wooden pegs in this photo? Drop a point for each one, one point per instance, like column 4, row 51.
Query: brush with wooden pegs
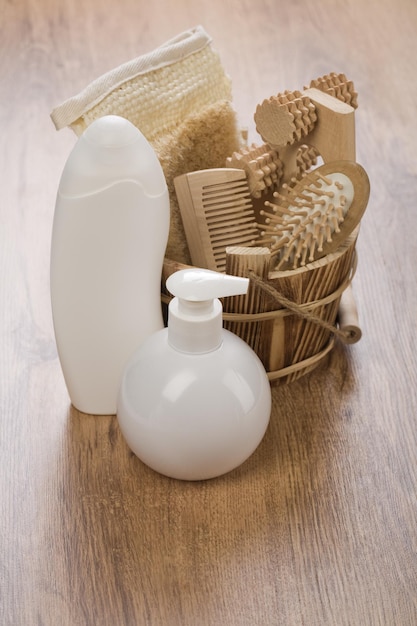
column 321, row 117
column 262, row 166
column 313, row 218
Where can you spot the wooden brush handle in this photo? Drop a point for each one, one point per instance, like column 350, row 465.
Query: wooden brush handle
column 348, row 318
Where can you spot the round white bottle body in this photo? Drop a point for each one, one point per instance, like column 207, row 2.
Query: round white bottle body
column 109, row 236
column 194, row 404
column 194, row 417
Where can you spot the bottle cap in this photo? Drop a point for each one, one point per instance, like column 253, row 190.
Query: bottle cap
column 195, row 314
column 111, row 150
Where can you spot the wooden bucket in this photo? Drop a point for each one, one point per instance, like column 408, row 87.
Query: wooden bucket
column 289, row 318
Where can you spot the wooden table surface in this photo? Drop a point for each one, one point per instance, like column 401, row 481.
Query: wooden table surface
column 319, row 526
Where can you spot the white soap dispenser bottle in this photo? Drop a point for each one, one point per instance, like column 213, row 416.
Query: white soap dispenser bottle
column 109, row 237
column 195, row 400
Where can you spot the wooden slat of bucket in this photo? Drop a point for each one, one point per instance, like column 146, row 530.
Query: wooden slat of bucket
column 240, row 259
column 313, row 282
column 287, row 340
column 314, row 339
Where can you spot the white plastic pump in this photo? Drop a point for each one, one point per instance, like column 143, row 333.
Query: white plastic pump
column 195, row 314
column 109, row 237
column 195, row 400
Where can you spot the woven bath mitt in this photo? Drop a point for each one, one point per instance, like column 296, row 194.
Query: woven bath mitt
column 180, row 98
column 153, row 91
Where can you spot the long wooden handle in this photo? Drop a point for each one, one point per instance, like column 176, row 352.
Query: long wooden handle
column 348, row 318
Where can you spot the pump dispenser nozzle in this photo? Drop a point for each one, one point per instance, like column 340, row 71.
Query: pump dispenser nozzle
column 197, row 284
column 195, row 314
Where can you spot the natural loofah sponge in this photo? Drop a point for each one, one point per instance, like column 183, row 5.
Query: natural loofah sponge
column 202, row 141
column 180, row 99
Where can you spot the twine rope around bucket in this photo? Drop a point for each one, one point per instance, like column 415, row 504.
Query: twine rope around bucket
column 295, row 308
column 303, row 310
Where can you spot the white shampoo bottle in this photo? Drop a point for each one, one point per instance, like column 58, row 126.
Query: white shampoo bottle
column 109, row 236
column 195, row 399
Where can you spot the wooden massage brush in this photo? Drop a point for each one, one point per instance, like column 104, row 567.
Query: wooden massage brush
column 217, row 211
column 285, row 118
column 262, row 166
column 265, row 169
column 289, row 116
column 338, row 86
column 321, row 116
column 313, row 218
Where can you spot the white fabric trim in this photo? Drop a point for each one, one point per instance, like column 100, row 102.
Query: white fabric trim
column 172, row 51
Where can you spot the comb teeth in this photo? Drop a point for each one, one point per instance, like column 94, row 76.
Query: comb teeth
column 262, row 165
column 338, row 86
column 304, row 218
column 217, row 212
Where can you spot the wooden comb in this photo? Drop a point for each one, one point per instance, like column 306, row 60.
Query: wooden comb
column 313, row 218
column 217, row 211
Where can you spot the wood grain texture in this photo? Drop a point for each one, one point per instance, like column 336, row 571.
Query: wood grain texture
column 319, row 527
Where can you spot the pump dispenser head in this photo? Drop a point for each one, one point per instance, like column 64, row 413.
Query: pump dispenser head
column 195, row 314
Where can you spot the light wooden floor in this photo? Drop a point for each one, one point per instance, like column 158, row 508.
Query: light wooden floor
column 319, row 527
